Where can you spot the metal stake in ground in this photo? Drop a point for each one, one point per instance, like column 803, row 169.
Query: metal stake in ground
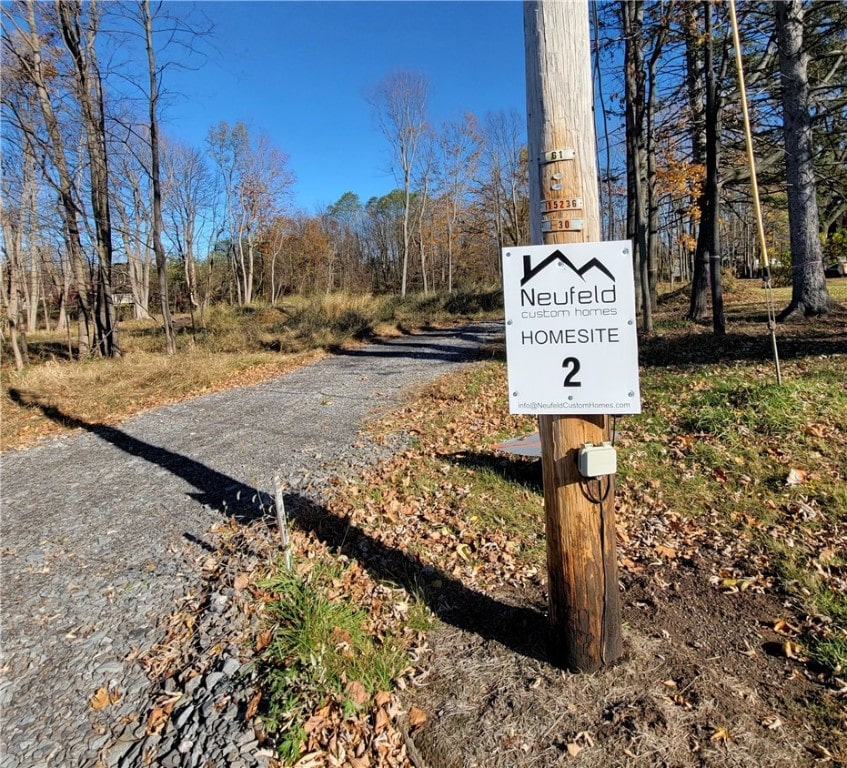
column 564, row 208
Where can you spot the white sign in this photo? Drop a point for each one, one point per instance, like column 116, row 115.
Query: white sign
column 571, row 340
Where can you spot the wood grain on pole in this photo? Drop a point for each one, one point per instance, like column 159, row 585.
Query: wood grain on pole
column 584, row 597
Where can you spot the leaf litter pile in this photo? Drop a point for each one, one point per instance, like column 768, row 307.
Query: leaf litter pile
column 412, row 629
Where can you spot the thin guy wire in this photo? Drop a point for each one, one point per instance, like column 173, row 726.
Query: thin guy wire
column 751, row 160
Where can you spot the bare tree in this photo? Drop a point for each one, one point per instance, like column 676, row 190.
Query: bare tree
column 256, row 183
column 131, row 205
column 461, row 145
column 637, row 129
column 426, row 169
column 399, row 103
column 24, row 49
column 13, row 219
column 156, row 224
column 504, row 186
column 79, row 34
column 188, row 186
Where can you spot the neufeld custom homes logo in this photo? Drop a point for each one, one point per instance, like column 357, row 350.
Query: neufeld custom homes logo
column 529, row 271
column 569, row 302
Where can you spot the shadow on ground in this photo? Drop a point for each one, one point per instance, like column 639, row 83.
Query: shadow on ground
column 422, row 345
column 521, row 629
column 703, row 348
column 525, row 472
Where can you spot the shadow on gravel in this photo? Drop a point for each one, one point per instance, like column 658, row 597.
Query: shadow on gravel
column 422, row 345
column 522, row 629
column 214, row 488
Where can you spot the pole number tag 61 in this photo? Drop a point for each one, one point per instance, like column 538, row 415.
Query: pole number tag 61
column 571, row 341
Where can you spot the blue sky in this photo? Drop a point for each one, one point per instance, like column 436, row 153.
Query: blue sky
column 299, row 72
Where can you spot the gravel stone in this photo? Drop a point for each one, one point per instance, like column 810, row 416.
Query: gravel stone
column 183, row 716
column 109, row 669
column 193, row 684
column 116, row 752
column 231, row 667
column 107, row 528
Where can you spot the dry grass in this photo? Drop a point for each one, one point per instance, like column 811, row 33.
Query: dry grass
column 238, row 346
column 102, row 391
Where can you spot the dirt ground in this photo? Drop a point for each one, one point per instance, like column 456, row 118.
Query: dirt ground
column 709, row 678
column 703, row 683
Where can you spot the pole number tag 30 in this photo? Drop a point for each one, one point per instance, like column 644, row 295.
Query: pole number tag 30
column 571, row 339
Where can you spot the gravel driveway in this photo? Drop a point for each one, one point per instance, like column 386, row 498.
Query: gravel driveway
column 95, row 526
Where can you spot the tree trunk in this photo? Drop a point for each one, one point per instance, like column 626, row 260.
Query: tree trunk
column 632, row 16
column 156, row 223
column 809, row 295
column 713, row 149
column 90, row 96
column 707, row 271
column 695, row 87
column 68, row 207
column 10, row 288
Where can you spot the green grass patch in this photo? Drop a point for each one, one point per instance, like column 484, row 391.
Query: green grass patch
column 831, row 653
column 322, row 648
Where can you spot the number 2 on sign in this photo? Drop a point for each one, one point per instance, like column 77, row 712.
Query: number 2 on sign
column 573, row 364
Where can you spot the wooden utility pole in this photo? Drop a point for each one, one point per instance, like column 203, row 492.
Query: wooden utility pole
column 580, row 514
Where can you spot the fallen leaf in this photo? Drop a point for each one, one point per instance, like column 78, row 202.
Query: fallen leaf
column 253, row 706
column 574, row 749
column 585, row 737
column 782, row 627
column 241, row 581
column 668, row 552
column 263, row 639
column 796, row 476
column 772, row 723
column 382, row 721
column 157, row 719
column 417, row 718
column 356, row 692
column 721, row 735
column 629, row 564
column 382, row 698
column 101, row 699
column 791, row 650
column 314, row 723
column 719, row 475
